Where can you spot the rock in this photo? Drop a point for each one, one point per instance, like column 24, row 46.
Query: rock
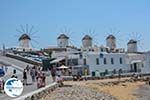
column 77, row 93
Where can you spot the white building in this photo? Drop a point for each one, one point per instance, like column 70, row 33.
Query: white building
column 100, row 61
column 103, row 59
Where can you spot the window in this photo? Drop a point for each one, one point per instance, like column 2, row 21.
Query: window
column 84, row 61
column 105, row 62
column 120, row 60
column 72, row 62
column 112, row 61
column 101, row 55
column 81, row 56
column 102, row 50
column 97, row 61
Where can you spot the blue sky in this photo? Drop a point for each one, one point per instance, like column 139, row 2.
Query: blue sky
column 50, row 17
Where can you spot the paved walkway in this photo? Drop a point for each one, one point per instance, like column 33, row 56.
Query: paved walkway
column 19, row 66
column 27, row 89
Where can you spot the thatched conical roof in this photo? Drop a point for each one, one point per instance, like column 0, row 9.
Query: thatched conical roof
column 63, row 36
column 24, row 36
column 111, row 37
column 132, row 41
column 87, row 37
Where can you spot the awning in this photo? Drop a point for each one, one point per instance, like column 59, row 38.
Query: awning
column 57, row 60
column 63, row 67
column 136, row 61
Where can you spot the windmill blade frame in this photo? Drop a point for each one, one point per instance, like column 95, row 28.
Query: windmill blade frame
column 22, row 28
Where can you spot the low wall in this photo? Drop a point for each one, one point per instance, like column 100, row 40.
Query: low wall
column 39, row 93
column 70, row 78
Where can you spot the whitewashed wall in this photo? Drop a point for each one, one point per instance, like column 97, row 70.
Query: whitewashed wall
column 91, row 61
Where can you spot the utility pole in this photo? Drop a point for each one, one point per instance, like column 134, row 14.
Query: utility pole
column 4, row 50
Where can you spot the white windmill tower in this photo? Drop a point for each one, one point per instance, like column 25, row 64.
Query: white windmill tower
column 87, row 41
column 25, row 41
column 62, row 40
column 111, row 42
column 132, row 46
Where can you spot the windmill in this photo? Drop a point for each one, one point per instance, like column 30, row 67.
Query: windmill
column 111, row 40
column 26, row 36
column 63, row 39
column 134, row 42
column 66, row 40
column 89, row 38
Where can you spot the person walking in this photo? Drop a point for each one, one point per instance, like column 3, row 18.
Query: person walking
column 53, row 73
column 85, row 73
column 25, row 77
column 32, row 74
column 14, row 74
column 1, row 85
column 39, row 79
column 58, row 72
column 6, row 68
column 43, row 80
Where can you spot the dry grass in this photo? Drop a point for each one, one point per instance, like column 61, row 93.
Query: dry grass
column 122, row 91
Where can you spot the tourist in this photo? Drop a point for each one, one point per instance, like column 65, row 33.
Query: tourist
column 39, row 79
column 32, row 74
column 14, row 74
column 85, row 73
column 25, row 77
column 59, row 80
column 1, row 85
column 36, row 71
column 58, row 72
column 79, row 76
column 53, row 73
column 2, row 67
column 43, row 80
column 28, row 68
column 66, row 72
column 70, row 71
column 6, row 68
column 63, row 72
column 2, row 82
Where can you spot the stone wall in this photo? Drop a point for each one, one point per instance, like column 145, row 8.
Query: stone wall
column 39, row 93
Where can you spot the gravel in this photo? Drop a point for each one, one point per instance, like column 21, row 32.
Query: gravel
column 143, row 93
column 77, row 93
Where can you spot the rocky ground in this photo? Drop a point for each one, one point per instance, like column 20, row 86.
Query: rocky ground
column 143, row 92
column 77, row 93
column 107, row 89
